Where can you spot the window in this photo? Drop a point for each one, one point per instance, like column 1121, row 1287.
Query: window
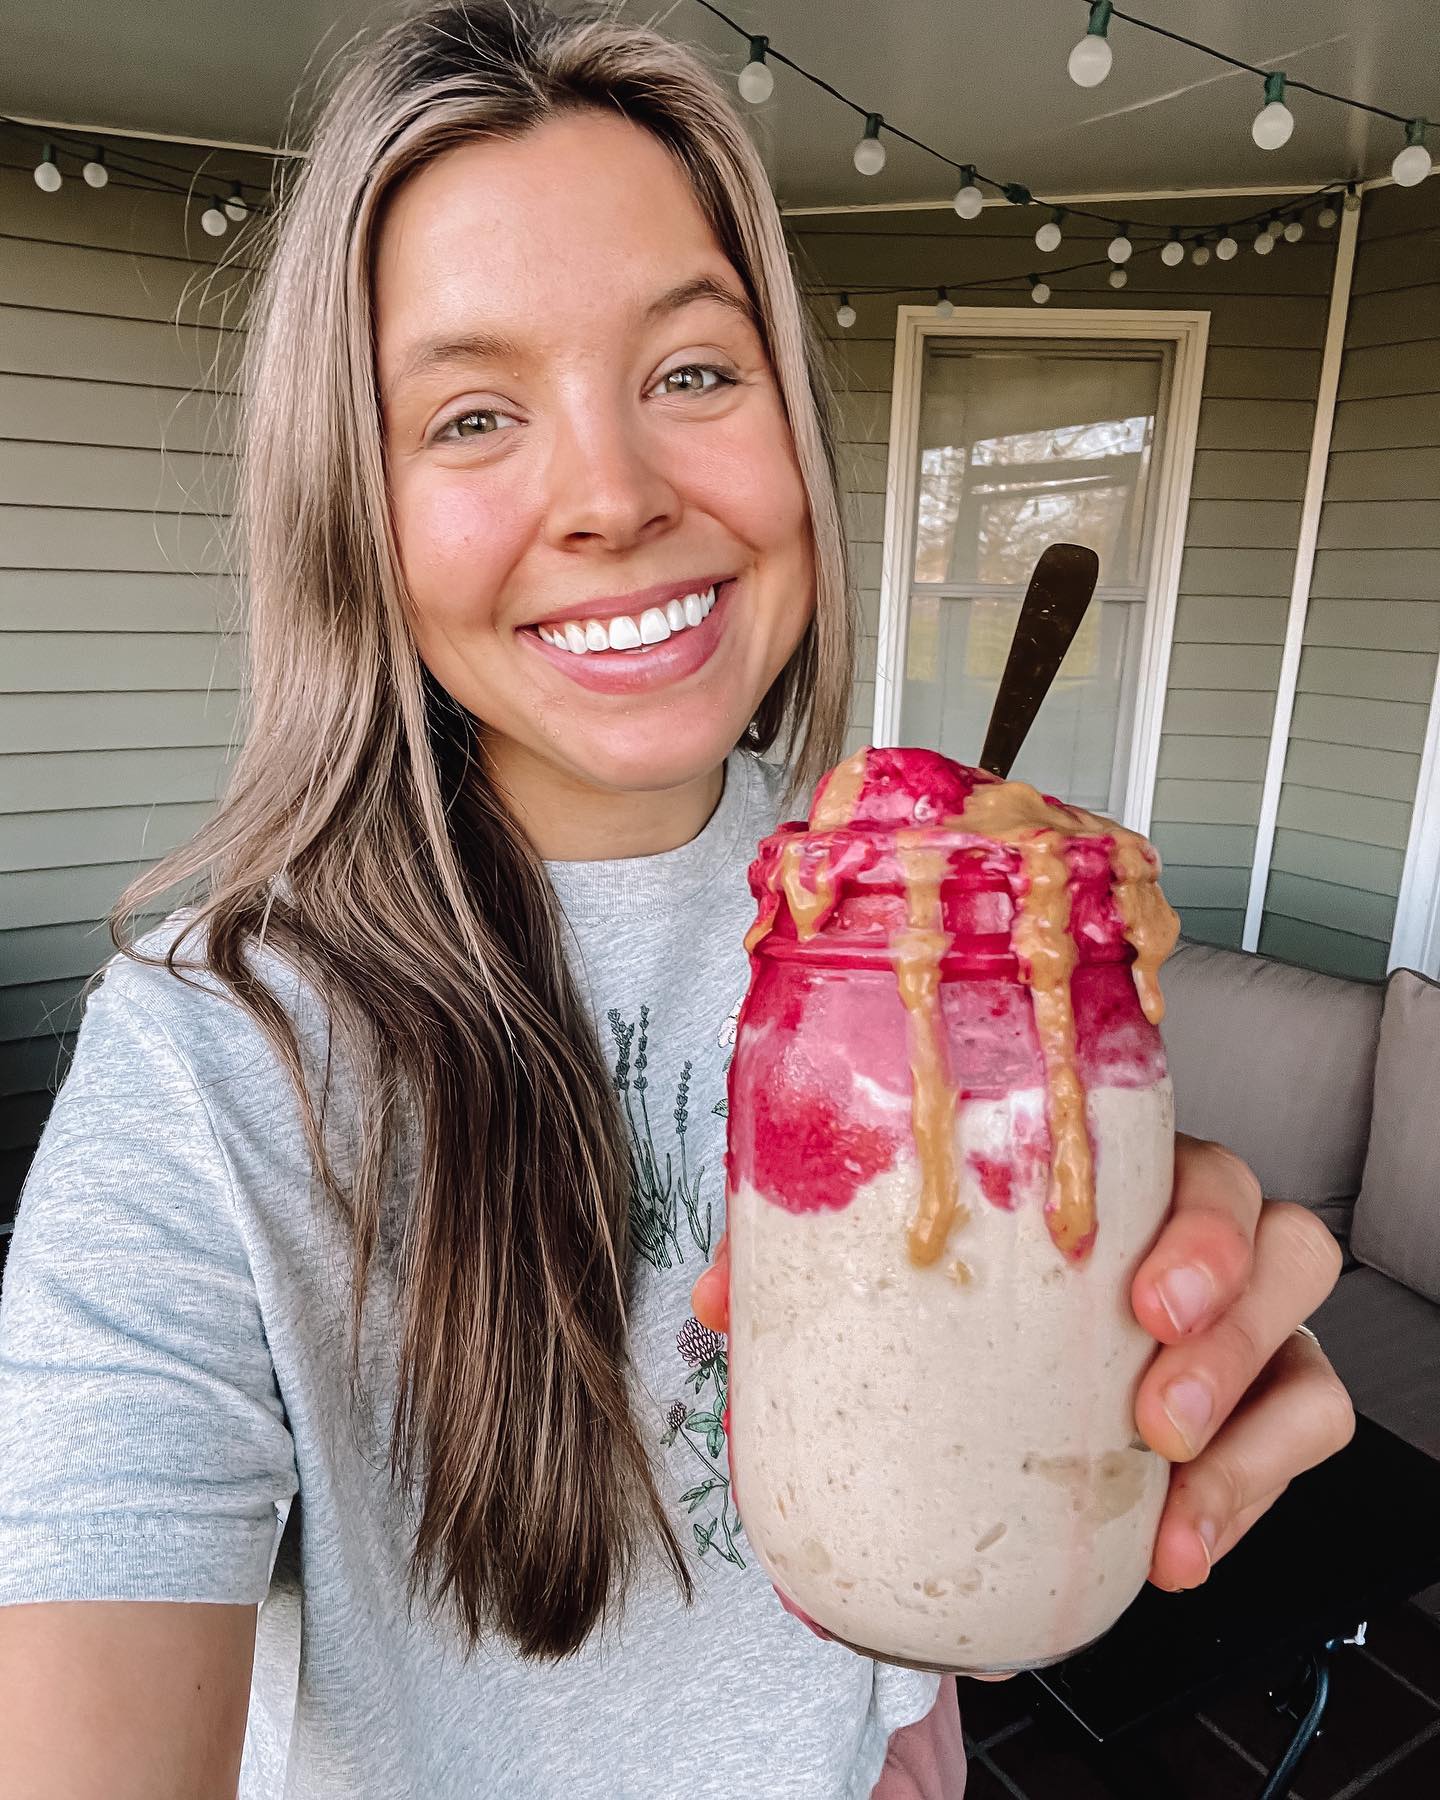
column 1019, row 441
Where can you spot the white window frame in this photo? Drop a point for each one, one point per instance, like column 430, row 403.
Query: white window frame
column 1188, row 335
column 1415, row 940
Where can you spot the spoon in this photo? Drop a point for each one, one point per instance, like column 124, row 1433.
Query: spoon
column 1050, row 615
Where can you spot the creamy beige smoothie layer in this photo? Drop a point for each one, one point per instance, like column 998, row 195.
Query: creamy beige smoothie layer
column 974, row 1494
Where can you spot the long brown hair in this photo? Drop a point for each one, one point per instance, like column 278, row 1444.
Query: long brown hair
column 360, row 839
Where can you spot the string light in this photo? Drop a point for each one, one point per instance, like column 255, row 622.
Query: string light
column 47, row 171
column 756, row 83
column 1092, row 57
column 870, row 152
column 1351, row 202
column 1294, row 231
column 1326, row 217
column 213, row 218
column 1200, row 255
column 1174, row 251
column 1048, row 237
column 945, row 306
column 235, row 207
column 1264, row 243
column 845, row 313
column 969, row 202
column 1118, row 277
column 1039, row 290
column 95, row 172
column 1412, row 164
column 1227, row 248
column 1120, row 248
column 1274, row 122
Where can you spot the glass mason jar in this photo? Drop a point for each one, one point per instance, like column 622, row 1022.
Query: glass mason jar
column 951, row 1144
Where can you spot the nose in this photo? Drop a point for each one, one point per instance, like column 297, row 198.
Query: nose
column 605, row 480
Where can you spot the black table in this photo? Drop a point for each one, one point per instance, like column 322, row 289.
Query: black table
column 1358, row 1533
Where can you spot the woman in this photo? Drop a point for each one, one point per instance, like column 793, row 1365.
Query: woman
column 353, row 1275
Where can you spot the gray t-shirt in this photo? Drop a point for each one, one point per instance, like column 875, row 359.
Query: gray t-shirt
column 174, row 1404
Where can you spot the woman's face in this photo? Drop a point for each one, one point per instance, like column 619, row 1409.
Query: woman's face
column 581, row 429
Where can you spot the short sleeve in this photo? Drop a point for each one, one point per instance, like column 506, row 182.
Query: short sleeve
column 144, row 1450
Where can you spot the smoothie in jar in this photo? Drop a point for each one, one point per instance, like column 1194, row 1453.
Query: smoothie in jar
column 951, row 1144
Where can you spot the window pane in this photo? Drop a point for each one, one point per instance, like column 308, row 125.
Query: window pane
column 1024, row 447
column 954, row 657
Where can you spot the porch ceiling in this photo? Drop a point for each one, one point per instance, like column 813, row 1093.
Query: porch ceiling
column 983, row 79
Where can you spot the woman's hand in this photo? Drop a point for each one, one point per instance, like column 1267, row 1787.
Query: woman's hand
column 1237, row 1398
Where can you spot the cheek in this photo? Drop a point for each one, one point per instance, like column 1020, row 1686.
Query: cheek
column 454, row 549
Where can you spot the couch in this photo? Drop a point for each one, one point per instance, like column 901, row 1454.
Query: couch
column 1330, row 1090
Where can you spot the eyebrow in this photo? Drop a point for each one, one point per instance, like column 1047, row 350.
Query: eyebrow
column 495, row 346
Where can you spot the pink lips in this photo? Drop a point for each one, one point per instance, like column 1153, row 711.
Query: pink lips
column 632, row 671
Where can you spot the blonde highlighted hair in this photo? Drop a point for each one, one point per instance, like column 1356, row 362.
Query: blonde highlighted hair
column 360, row 838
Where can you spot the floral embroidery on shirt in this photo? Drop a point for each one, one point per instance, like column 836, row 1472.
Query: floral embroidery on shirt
column 663, row 1190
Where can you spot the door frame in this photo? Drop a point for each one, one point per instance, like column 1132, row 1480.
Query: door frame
column 1188, row 335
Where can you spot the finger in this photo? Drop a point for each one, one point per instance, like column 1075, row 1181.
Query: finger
column 1297, row 1414
column 1201, row 1260
column 710, row 1296
column 1194, row 1385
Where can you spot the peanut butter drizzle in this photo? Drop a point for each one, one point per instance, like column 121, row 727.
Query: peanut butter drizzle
column 808, row 905
column 1013, row 812
column 918, row 952
column 836, row 806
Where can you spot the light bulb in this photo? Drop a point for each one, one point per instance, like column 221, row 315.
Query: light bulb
column 95, row 173
column 1264, row 243
column 1039, row 291
column 1118, row 277
column 945, row 306
column 1091, row 59
column 1120, row 248
column 756, row 83
column 845, row 313
column 870, row 152
column 213, row 219
column 1412, row 164
column 1274, row 122
column 1294, row 231
column 47, row 172
column 1200, row 255
column 1226, row 248
column 1326, row 217
column 1048, row 237
column 1173, row 253
column 969, row 202
column 1351, row 201
column 235, row 207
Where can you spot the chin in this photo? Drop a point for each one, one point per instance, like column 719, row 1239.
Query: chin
column 631, row 760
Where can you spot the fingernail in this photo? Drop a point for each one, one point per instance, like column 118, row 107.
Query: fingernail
column 1186, row 1293
column 1188, row 1406
column 1206, row 1532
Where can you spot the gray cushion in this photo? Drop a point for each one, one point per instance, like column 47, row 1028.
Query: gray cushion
column 1385, row 1344
column 1397, row 1217
column 1277, row 1063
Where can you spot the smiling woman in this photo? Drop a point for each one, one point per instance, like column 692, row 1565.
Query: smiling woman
column 353, row 1273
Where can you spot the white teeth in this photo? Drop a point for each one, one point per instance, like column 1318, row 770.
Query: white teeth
column 655, row 625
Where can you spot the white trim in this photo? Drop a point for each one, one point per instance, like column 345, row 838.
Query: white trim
column 1299, row 609
column 1132, row 197
column 1188, row 333
column 144, row 137
column 1415, row 943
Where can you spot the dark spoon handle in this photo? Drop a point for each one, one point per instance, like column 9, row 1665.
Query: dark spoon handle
column 1050, row 615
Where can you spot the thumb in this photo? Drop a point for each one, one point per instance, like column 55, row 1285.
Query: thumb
column 710, row 1297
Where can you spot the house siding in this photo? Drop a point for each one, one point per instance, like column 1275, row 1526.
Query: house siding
column 1367, row 669
column 120, row 658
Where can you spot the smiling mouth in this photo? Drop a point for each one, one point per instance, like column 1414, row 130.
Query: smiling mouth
column 639, row 633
